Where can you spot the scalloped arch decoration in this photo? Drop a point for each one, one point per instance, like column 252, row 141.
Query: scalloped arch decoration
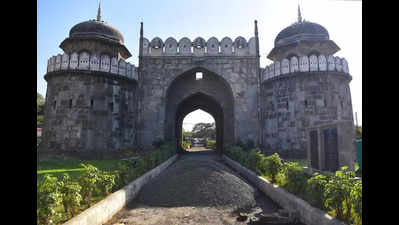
column 171, row 46
column 285, row 66
column 226, row 46
column 94, row 62
column 212, row 46
column 322, row 63
column 294, row 65
column 184, row 46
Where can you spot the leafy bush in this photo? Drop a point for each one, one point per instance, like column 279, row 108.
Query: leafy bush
column 315, row 188
column 71, row 197
column 295, row 178
column 88, row 180
column 211, row 144
column 356, row 198
column 337, row 193
column 48, row 199
column 106, row 180
column 255, row 160
column 186, row 144
column 272, row 165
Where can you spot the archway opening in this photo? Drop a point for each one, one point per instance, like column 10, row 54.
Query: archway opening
column 198, row 132
column 199, row 88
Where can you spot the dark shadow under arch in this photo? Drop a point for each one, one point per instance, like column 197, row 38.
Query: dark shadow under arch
column 212, row 94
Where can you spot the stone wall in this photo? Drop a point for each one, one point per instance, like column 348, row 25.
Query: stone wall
column 89, row 111
column 292, row 103
column 240, row 73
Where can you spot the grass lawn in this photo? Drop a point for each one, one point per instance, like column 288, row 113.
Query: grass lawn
column 58, row 166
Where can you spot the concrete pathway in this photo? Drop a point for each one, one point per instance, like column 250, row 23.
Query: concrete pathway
column 140, row 212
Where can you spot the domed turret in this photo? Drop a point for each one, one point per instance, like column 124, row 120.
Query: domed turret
column 94, row 29
column 302, row 38
column 97, row 37
column 301, row 31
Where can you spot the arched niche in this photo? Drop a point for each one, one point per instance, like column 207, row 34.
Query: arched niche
column 313, row 63
column 170, row 46
column 74, row 60
column 212, row 46
column 114, row 65
column 105, row 63
column 285, row 66
column 146, row 46
column 304, row 64
column 65, row 61
column 199, row 46
column 322, row 63
column 185, row 46
column 226, row 46
column 94, row 62
column 294, row 65
column 240, row 46
column 84, row 60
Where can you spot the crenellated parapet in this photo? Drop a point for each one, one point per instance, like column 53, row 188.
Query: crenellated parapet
column 91, row 62
column 312, row 63
column 199, row 47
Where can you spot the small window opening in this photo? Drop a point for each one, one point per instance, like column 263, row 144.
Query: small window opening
column 306, row 103
column 198, row 76
column 325, row 102
column 111, row 106
column 55, row 105
column 70, row 103
column 91, row 103
column 287, row 105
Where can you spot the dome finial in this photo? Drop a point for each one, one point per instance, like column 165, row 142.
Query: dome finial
column 299, row 15
column 99, row 12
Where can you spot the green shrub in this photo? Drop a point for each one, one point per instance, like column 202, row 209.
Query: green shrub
column 272, row 165
column 337, row 193
column 296, row 178
column 356, row 198
column 255, row 160
column 71, row 197
column 186, row 144
column 48, row 199
column 88, row 181
column 106, row 181
column 211, row 144
column 315, row 186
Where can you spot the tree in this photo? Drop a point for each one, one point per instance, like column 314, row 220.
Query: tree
column 40, row 109
column 204, row 130
column 358, row 132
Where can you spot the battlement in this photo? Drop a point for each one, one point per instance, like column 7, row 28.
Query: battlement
column 199, row 47
column 92, row 62
column 312, row 63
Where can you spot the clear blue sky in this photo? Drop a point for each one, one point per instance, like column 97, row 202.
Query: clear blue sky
column 205, row 18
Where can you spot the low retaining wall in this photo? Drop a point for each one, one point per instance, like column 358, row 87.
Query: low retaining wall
column 105, row 209
column 308, row 214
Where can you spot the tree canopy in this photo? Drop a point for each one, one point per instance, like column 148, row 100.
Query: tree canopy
column 40, row 109
column 204, row 130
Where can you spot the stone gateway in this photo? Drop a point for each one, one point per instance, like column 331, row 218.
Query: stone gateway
column 98, row 102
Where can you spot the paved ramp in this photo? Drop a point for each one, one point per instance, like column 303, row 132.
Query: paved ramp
column 197, row 189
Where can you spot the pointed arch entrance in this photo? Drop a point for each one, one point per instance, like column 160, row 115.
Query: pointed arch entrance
column 211, row 94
